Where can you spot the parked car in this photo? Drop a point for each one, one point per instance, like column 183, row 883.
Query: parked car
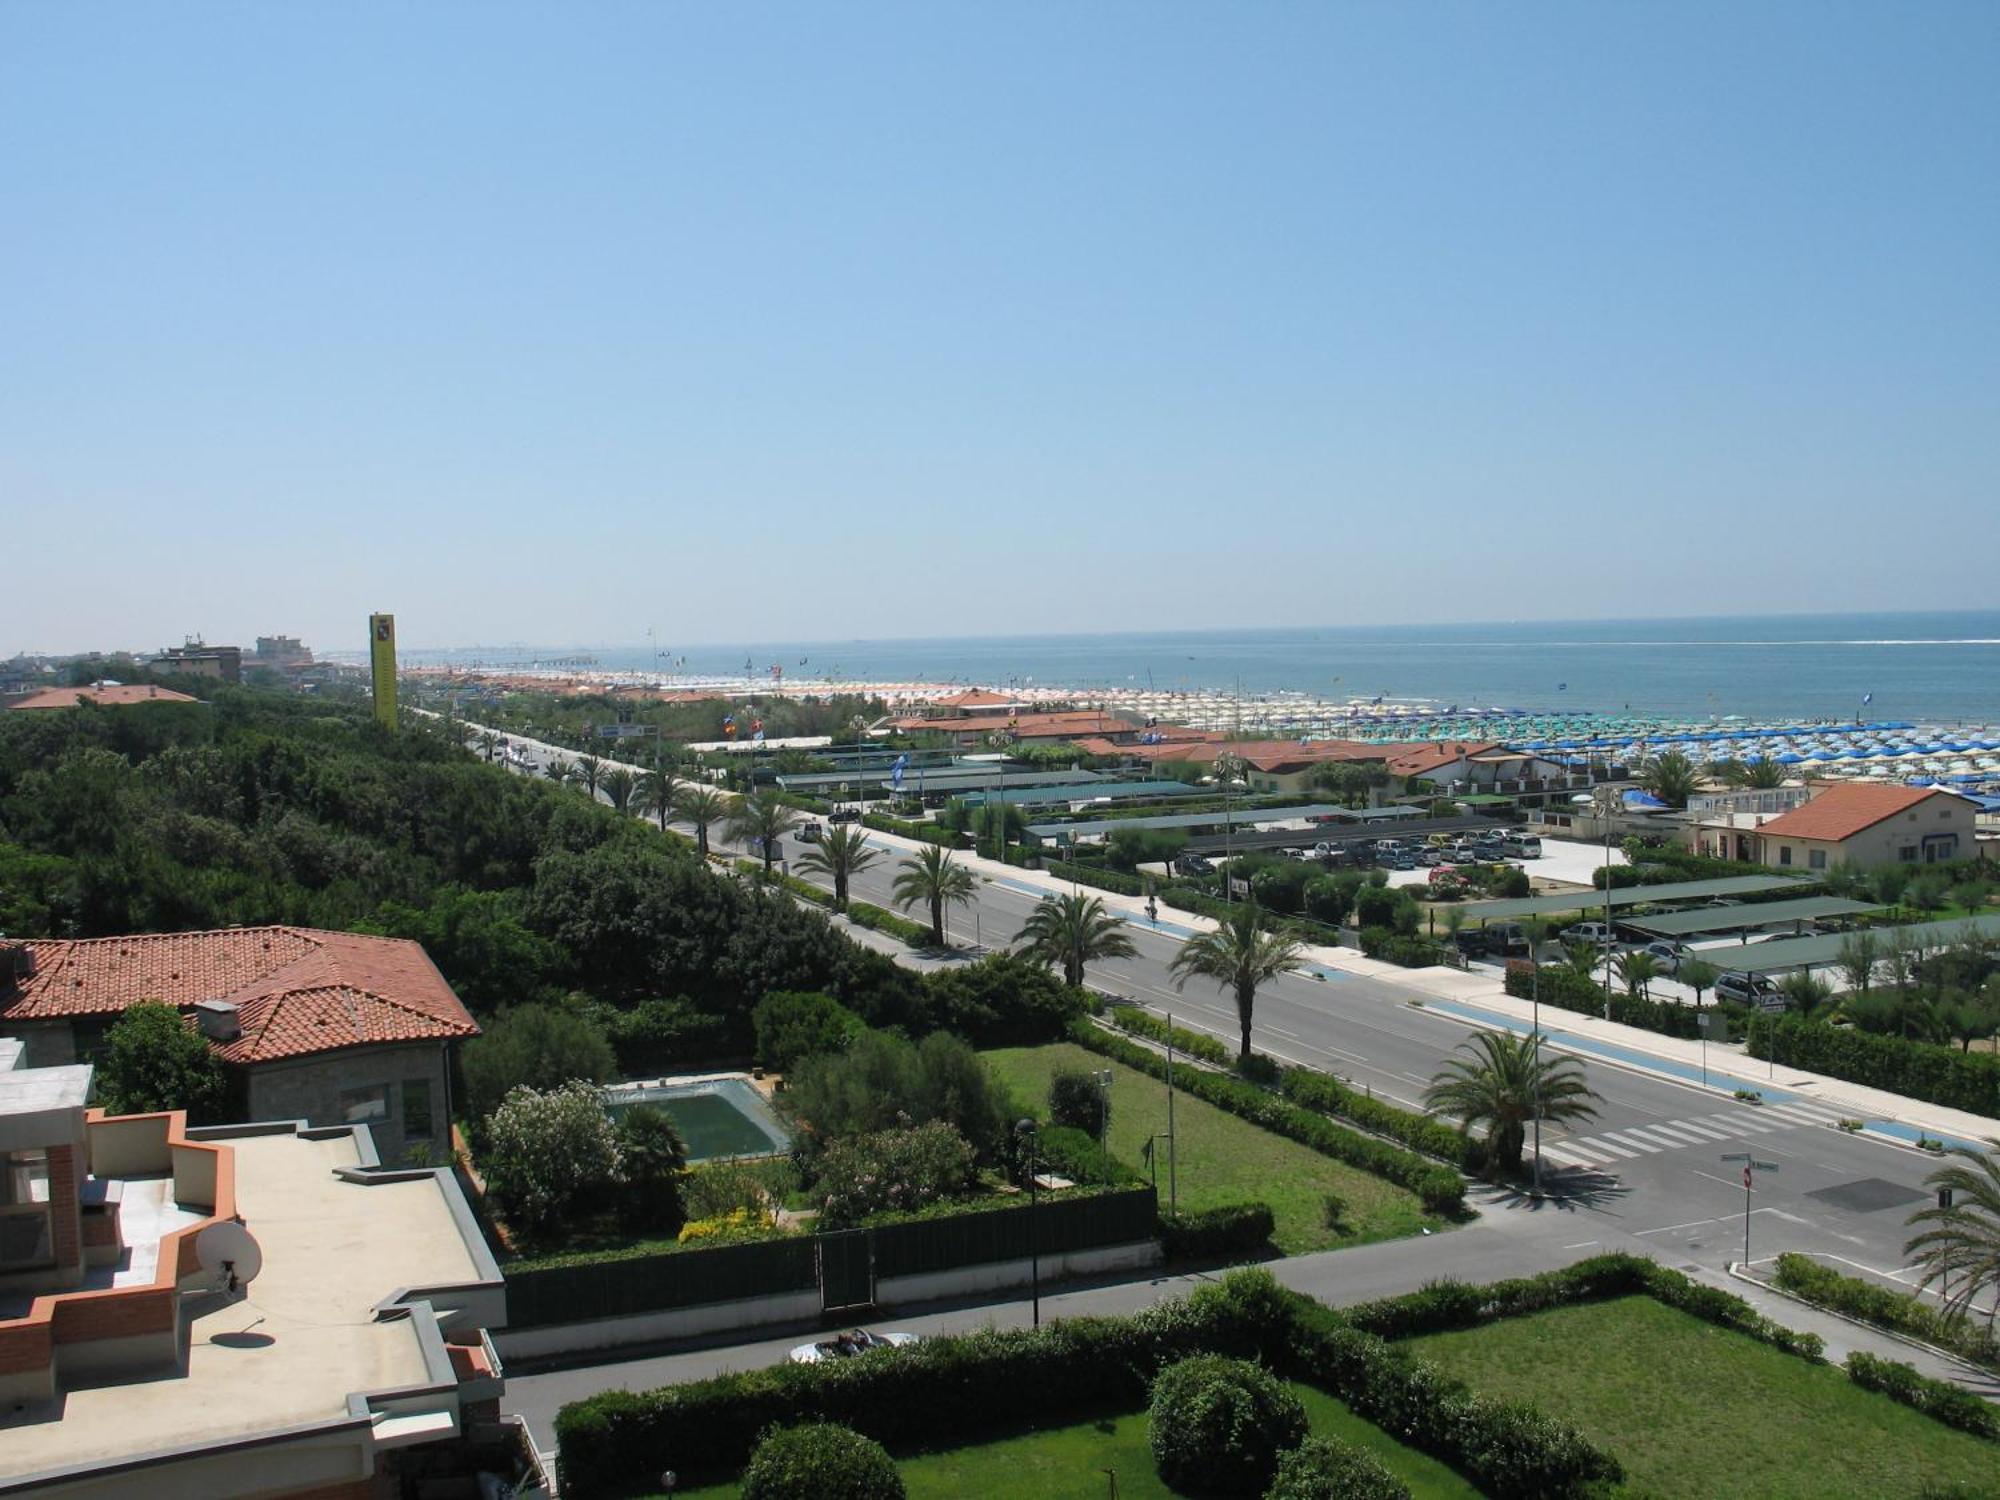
column 844, row 815
column 1595, row 933
column 847, row 1345
column 808, row 833
column 1749, row 989
column 1669, row 956
column 1495, row 940
column 1396, row 859
column 1521, row 846
column 1463, row 854
column 1776, row 937
column 1429, row 855
column 1192, row 864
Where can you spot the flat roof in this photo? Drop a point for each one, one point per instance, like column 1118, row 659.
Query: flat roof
column 1080, row 793
column 1243, row 818
column 1742, row 918
column 1632, row 895
column 302, row 1337
column 978, row 778
column 1816, row 952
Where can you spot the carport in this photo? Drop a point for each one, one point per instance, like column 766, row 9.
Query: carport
column 1745, row 919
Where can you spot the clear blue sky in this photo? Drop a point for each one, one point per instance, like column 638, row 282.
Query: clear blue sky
column 753, row 322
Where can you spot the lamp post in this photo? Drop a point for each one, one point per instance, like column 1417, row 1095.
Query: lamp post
column 1103, row 1076
column 1227, row 767
column 1607, row 907
column 1024, row 1130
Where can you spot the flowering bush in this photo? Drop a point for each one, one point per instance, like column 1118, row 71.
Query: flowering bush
column 737, row 1224
column 549, row 1154
column 899, row 1169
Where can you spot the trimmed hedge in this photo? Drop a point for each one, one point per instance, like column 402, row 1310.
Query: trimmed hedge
column 1916, row 1070
column 1115, row 881
column 1568, row 991
column 1213, row 1233
column 1441, row 1189
column 1219, row 1425
column 1323, row 1468
column 1198, row 1044
column 1899, row 1312
column 923, row 833
column 956, row 1388
column 1420, row 1132
column 821, row 1461
column 916, row 934
column 1076, row 1155
column 1937, row 1399
column 1393, row 947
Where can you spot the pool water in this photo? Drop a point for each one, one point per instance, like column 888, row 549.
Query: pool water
column 717, row 1118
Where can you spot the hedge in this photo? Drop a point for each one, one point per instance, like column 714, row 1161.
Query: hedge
column 1115, row 881
column 1938, row 1399
column 953, row 1388
column 916, row 934
column 1077, row 1156
column 1328, row 1469
column 1899, row 1312
column 1916, row 1070
column 1441, row 1189
column 1198, row 1044
column 1420, row 1132
column 923, row 833
column 1566, row 990
column 1391, row 946
column 1211, row 1233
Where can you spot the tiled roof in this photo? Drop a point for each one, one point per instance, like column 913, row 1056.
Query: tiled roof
column 1840, row 812
column 1421, row 760
column 297, row 989
column 111, row 694
column 975, row 698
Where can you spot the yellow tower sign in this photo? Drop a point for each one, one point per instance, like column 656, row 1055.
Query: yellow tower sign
column 382, row 660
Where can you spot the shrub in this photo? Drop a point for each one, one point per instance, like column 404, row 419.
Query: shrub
column 1567, row 990
column 720, row 1187
column 1919, row 1070
column 652, row 1158
column 1076, row 1155
column 1097, row 877
column 891, row 1169
column 1258, row 1069
column 1900, row 1312
column 1219, row 1425
column 1003, row 1000
column 661, row 1034
column 1197, row 1044
column 790, row 1025
column 820, row 1461
column 1421, row 1132
column 1333, row 1211
column 1400, row 948
column 883, row 1082
column 1212, row 1233
column 1076, row 1100
column 735, row 1224
column 549, row 1155
column 1327, row 1469
column 533, row 1045
column 153, row 1060
column 1939, row 1399
column 861, row 914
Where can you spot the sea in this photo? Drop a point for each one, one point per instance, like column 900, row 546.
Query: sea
column 1938, row 668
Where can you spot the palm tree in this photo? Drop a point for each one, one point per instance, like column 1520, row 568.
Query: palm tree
column 656, row 793
column 587, row 772
column 1960, row 1247
column 934, row 878
column 1505, row 1084
column 840, row 853
column 618, row 784
column 556, row 770
column 1239, row 957
column 701, row 806
column 1699, row 975
column 1670, row 777
column 1072, row 931
column 1581, row 960
column 1857, row 958
column 760, row 821
column 489, row 742
column 1805, row 995
column 1636, row 970
column 1454, row 923
column 1763, row 774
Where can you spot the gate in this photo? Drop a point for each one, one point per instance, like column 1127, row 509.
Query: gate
column 846, row 1270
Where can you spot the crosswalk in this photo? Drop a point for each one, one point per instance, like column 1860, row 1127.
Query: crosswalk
column 1608, row 1148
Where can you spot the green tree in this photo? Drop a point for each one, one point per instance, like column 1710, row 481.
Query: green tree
column 1072, row 931
column 820, row 1461
column 791, row 1025
column 534, row 1045
column 1971, row 1018
column 657, row 794
column 840, row 854
column 1504, row 1085
column 1859, row 953
column 934, row 878
column 1959, row 1248
column 652, row 1157
column 1699, row 975
column 550, row 1156
column 153, row 1061
column 759, row 821
column 1078, row 1101
column 1636, row 971
column 1241, row 958
column 1671, row 777
column 702, row 806
column 587, row 771
column 618, row 783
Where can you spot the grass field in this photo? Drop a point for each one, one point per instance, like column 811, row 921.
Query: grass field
column 1692, row 1409
column 1069, row 1463
column 1223, row 1159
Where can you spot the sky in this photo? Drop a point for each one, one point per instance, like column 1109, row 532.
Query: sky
column 564, row 322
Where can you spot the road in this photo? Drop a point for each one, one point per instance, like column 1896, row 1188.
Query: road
column 1647, row 1173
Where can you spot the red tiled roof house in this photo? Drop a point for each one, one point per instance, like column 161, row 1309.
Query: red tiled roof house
column 330, row 1027
column 1848, row 823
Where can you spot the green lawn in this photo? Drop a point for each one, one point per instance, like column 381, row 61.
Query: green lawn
column 1068, row 1463
column 1223, row 1159
column 1692, row 1409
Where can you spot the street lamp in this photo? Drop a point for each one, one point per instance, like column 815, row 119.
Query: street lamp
column 1103, row 1076
column 1227, row 768
column 1024, row 1130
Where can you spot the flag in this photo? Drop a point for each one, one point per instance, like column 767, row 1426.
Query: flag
column 1562, row 687
column 1146, row 1151
column 1866, row 699
column 758, row 737
column 896, row 771
column 1378, row 698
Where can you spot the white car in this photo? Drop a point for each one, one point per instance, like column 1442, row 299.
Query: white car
column 848, row 1344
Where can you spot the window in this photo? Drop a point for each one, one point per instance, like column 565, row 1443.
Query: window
column 364, row 1106
column 1784, row 854
column 26, row 1241
column 1817, row 859
column 24, row 1177
column 1907, row 854
column 417, row 1108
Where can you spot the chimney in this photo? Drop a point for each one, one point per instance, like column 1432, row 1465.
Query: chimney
column 217, row 1020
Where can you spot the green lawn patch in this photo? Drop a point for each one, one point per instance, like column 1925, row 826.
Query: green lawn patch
column 1224, row 1159
column 1068, row 1463
column 1693, row 1409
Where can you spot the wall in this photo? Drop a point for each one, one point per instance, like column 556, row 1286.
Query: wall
column 309, row 1089
column 964, row 1280
column 1884, row 843
column 130, row 1146
column 799, row 1308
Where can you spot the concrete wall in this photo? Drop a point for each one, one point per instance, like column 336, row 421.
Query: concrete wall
column 130, row 1146
column 964, row 1280
column 335, row 1461
column 658, row 1327
column 309, row 1089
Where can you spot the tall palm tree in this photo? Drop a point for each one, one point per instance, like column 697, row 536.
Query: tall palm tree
column 1699, row 975
column 1504, row 1084
column 760, row 821
column 1636, row 970
column 1763, row 774
column 556, row 770
column 1670, row 777
column 1959, row 1248
column 1072, row 930
column 489, row 743
column 934, row 878
column 1240, row 958
column 587, row 771
column 618, row 784
column 701, row 806
column 1581, row 959
column 841, row 852
column 656, row 793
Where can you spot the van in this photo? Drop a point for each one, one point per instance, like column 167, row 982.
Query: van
column 1521, row 846
column 1595, row 933
column 1749, row 989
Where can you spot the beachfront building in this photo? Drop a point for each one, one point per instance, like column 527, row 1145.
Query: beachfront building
column 1048, row 728
column 104, row 694
column 224, row 663
column 1852, row 823
column 332, row 1028
column 244, row 1310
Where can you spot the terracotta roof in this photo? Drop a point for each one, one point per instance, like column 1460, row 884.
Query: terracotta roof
column 1840, row 812
column 297, row 990
column 111, row 694
column 975, row 698
column 1422, row 759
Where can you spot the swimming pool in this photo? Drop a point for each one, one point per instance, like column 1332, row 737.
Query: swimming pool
column 718, row 1117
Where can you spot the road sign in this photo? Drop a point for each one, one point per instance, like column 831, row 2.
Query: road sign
column 1749, row 1162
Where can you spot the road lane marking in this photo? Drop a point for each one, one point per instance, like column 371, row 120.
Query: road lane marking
column 1675, row 1228
column 1633, row 1138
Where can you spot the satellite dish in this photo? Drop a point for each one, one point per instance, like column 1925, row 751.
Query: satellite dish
column 227, row 1251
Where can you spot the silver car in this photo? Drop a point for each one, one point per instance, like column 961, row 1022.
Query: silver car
column 847, row 1345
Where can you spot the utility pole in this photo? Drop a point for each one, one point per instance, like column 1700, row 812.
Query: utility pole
column 1173, row 1144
